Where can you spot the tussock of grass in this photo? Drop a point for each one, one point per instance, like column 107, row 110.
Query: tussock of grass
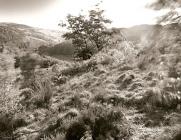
column 39, row 95
column 156, row 97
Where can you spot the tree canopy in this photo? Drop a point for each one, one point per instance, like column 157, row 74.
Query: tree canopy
column 87, row 32
column 160, row 4
column 172, row 16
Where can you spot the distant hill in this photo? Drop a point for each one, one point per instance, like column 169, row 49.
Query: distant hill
column 139, row 33
column 22, row 37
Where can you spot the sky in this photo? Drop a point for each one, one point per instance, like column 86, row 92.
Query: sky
column 48, row 13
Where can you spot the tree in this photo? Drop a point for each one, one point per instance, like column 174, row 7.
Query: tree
column 160, row 4
column 172, row 16
column 88, row 33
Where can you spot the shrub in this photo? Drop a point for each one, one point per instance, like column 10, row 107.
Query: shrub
column 46, row 63
column 177, row 137
column 84, row 54
column 17, row 62
column 174, row 70
column 79, row 68
column 27, row 66
column 100, row 123
column 76, row 131
column 75, row 102
column 6, row 127
column 42, row 49
column 1, row 48
column 59, row 79
column 8, row 124
column 27, row 62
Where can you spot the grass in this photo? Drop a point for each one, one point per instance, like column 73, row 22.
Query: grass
column 9, row 108
column 43, row 91
column 87, row 103
column 38, row 95
column 106, row 97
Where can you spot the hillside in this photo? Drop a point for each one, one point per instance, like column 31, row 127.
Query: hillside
column 128, row 91
column 17, row 37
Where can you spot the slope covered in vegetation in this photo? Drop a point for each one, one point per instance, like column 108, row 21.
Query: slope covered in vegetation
column 129, row 91
column 16, row 39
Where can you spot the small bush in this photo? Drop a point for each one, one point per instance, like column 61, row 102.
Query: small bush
column 75, row 102
column 177, row 137
column 79, row 68
column 76, row 131
column 1, row 48
column 101, row 123
column 46, row 63
column 42, row 49
column 27, row 67
column 8, row 124
column 59, row 79
column 6, row 128
column 84, row 54
column 174, row 70
column 17, row 62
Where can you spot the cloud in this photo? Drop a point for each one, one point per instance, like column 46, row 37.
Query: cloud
column 23, row 5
